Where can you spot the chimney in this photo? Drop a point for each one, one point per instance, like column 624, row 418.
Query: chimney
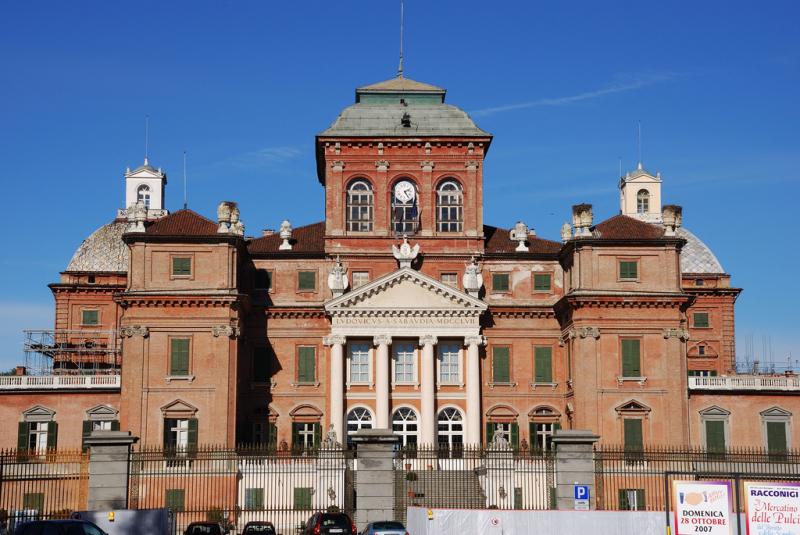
column 20, row 370
column 582, row 218
column 672, row 218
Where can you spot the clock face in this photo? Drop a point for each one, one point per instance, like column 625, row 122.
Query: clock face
column 404, row 191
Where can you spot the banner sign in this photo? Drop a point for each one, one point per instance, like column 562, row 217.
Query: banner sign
column 772, row 508
column 702, row 507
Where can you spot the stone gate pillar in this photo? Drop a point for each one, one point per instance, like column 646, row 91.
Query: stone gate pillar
column 108, row 469
column 574, row 465
column 375, row 450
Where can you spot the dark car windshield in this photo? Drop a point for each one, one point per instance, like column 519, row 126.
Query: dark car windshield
column 259, row 528
column 388, row 525
column 204, row 529
column 335, row 521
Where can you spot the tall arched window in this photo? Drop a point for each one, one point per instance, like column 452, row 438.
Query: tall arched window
column 143, row 195
column 404, row 424
column 449, row 207
column 359, row 206
column 405, row 212
column 642, row 201
column 358, row 418
column 450, row 428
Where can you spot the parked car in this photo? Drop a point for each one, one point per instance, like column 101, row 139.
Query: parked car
column 259, row 527
column 205, row 528
column 330, row 524
column 58, row 527
column 386, row 527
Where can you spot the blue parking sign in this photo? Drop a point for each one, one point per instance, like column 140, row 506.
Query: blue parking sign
column 581, row 492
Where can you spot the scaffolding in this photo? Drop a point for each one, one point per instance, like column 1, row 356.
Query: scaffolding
column 71, row 352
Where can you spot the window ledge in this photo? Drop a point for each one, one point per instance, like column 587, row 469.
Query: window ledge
column 370, row 384
column 171, row 378
column 311, row 383
column 415, row 384
column 492, row 384
column 544, row 385
column 459, row 384
column 640, row 380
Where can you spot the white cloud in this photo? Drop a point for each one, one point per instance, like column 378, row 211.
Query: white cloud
column 265, row 157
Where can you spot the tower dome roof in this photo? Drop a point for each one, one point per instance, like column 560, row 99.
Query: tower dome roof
column 696, row 256
column 103, row 250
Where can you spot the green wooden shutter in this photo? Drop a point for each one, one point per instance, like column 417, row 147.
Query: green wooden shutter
column 776, row 437
column 307, row 281
column 517, row 498
column 296, row 444
column 306, row 365
column 272, row 436
column 168, row 423
column 260, row 365
column 174, row 499
column 640, row 505
column 302, row 498
column 500, row 365
column 715, row 436
column 625, row 503
column 33, row 500
column 628, row 270
column 179, row 356
column 633, row 434
column 181, row 266
column 191, row 439
column 23, row 430
column 52, row 435
column 254, row 499
column 317, row 435
column 541, row 282
column 544, row 364
column 700, row 319
column 489, row 433
column 515, row 435
column 622, row 497
column 631, row 358
column 87, row 430
column 500, row 282
column 90, row 317
column 115, row 425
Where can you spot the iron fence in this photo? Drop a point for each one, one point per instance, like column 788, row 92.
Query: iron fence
column 473, row 478
column 637, row 479
column 237, row 486
column 40, row 485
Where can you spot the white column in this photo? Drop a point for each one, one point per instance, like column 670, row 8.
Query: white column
column 336, row 416
column 427, row 380
column 382, row 341
column 473, row 344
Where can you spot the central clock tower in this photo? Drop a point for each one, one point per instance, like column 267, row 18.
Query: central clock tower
column 401, row 162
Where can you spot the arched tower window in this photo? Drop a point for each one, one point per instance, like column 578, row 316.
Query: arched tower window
column 405, row 213
column 449, row 207
column 359, row 206
column 642, row 202
column 143, row 195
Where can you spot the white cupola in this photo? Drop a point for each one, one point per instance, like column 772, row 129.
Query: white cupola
column 145, row 184
column 640, row 195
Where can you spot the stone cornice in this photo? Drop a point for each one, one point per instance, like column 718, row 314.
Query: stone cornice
column 127, row 300
column 294, row 312
column 605, row 300
column 520, row 312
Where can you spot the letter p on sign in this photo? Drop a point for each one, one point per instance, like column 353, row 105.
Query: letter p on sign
column 581, row 492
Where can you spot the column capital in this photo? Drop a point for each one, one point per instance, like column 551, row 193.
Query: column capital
column 380, row 339
column 426, row 339
column 477, row 339
column 334, row 339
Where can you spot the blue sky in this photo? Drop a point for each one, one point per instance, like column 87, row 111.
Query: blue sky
column 245, row 86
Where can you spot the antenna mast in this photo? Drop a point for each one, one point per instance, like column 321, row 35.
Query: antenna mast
column 402, row 17
column 185, row 198
column 146, row 137
column 639, row 145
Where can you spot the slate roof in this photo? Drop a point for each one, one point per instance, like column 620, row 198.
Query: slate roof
column 622, row 227
column 400, row 83
column 305, row 239
column 102, row 251
column 497, row 241
column 696, row 256
column 383, row 120
column 184, row 222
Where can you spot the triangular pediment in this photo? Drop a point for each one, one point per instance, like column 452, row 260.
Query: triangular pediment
column 179, row 406
column 632, row 406
column 405, row 289
column 102, row 412
column 776, row 412
column 38, row 413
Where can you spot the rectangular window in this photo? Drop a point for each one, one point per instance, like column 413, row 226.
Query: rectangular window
column 263, row 279
column 33, row 500
column 541, row 282
column 448, row 363
column 254, row 499
column 302, row 498
column 633, row 434
column 499, row 282
column 715, row 436
column 501, row 365
column 631, row 500
column 181, row 266
column 541, row 434
column 631, row 358
column 517, row 498
column 307, row 281
column 701, row 350
column 359, row 362
column 628, row 270
column 360, row 278
column 450, row 279
column 511, row 430
column 306, row 435
column 403, row 362
column 776, row 437
column 306, row 364
column 700, row 320
column 262, row 360
column 179, row 356
column 174, row 499
column 543, row 357
column 37, row 436
column 90, row 317
column 702, row 373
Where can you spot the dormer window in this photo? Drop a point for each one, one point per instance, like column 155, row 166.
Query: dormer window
column 642, row 201
column 143, row 195
column 359, row 206
column 449, row 207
